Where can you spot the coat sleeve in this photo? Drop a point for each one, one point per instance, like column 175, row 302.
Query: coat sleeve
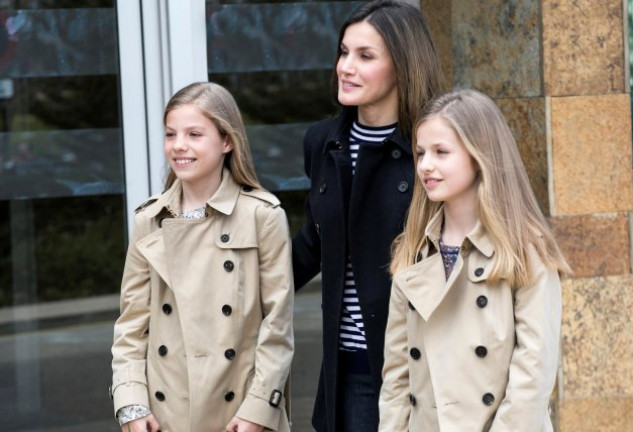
column 129, row 347
column 306, row 245
column 534, row 363
column 394, row 405
column 275, row 344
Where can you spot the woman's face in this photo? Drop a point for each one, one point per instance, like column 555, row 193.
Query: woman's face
column 366, row 74
column 194, row 147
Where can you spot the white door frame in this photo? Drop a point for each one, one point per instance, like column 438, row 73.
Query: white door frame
column 162, row 48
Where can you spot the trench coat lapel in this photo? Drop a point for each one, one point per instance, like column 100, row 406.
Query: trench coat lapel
column 153, row 249
column 425, row 285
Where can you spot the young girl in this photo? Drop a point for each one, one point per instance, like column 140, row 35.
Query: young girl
column 474, row 320
column 204, row 341
column 361, row 170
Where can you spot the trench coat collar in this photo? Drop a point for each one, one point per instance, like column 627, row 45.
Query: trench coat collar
column 340, row 132
column 424, row 283
column 223, row 200
column 477, row 238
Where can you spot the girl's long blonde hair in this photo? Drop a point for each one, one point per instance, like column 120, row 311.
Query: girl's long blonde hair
column 218, row 105
column 507, row 207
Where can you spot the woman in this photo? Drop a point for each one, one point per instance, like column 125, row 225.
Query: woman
column 204, row 341
column 361, row 170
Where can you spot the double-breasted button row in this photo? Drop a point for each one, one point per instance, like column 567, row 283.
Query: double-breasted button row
column 482, row 301
column 412, row 399
column 159, row 396
column 479, row 271
column 415, row 353
column 403, row 186
column 224, row 238
column 229, row 354
column 227, row 310
column 167, row 309
column 229, row 396
column 229, row 266
column 162, row 350
column 488, row 399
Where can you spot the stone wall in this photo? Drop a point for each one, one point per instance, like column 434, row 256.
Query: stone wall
column 558, row 69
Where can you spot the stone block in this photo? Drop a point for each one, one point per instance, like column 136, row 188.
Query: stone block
column 613, row 414
column 591, row 154
column 595, row 245
column 526, row 118
column 597, row 338
column 497, row 47
column 438, row 12
column 583, row 47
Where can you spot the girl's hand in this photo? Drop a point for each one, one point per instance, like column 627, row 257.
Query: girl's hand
column 239, row 425
column 145, row 424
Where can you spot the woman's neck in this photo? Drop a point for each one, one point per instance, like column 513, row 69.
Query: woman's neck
column 372, row 116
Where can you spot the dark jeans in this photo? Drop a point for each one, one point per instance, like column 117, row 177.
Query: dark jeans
column 359, row 404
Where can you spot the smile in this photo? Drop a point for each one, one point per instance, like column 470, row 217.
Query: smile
column 183, row 161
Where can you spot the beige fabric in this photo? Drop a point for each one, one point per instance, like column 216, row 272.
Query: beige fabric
column 238, row 257
column 519, row 327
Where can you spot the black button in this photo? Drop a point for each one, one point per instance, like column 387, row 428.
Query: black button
column 415, row 353
column 322, row 188
column 227, row 310
column 160, row 396
column 403, row 186
column 482, row 301
column 412, row 399
column 229, row 354
column 488, row 399
column 411, row 306
column 317, row 227
column 162, row 350
column 229, row 396
column 247, row 188
column 481, row 351
column 224, row 238
column 396, row 153
column 339, row 145
column 228, row 266
column 167, row 308
column 479, row 271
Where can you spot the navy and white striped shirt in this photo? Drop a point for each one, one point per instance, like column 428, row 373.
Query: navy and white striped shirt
column 352, row 329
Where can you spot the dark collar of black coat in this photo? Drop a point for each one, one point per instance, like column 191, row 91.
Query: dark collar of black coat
column 338, row 136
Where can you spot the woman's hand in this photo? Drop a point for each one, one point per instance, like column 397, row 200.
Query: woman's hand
column 145, row 424
column 239, row 425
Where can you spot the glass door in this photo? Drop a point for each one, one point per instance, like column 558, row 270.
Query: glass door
column 62, row 213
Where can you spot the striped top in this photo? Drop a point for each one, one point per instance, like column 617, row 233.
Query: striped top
column 352, row 329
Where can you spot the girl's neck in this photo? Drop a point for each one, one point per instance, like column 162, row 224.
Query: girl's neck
column 459, row 221
column 195, row 195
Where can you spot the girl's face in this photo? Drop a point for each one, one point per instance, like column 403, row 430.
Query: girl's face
column 366, row 74
column 194, row 147
column 446, row 169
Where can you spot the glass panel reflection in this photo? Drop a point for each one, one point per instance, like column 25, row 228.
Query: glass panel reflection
column 62, row 213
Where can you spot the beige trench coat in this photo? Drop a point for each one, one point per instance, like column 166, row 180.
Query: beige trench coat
column 464, row 356
column 205, row 330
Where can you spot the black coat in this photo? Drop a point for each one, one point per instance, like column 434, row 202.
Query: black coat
column 360, row 215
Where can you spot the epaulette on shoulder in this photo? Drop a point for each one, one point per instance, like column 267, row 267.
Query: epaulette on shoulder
column 146, row 204
column 260, row 194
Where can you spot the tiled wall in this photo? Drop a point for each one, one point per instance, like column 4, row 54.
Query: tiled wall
column 558, row 70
